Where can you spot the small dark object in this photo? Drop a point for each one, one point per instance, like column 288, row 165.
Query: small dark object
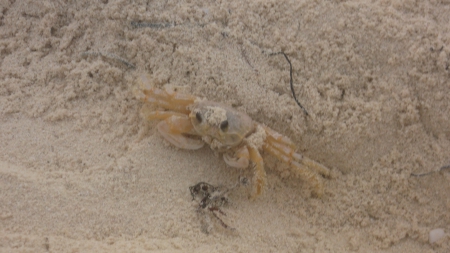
column 212, row 198
column 446, row 167
column 291, row 82
column 109, row 56
column 202, row 189
column 136, row 24
column 198, row 116
column 224, row 125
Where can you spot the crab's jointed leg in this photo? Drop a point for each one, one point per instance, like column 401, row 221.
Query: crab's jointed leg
column 167, row 99
column 159, row 115
column 309, row 170
column 260, row 178
column 319, row 168
column 176, row 128
column 239, row 159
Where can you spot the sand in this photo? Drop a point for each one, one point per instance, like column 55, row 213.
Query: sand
column 82, row 171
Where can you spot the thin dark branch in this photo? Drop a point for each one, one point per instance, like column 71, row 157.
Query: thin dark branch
column 291, row 81
column 109, row 56
column 136, row 24
column 446, row 167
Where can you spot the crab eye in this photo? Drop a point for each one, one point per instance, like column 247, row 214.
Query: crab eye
column 199, row 118
column 224, row 125
column 205, row 188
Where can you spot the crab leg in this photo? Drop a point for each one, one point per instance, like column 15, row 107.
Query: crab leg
column 259, row 179
column 239, row 159
column 322, row 170
column 288, row 155
column 310, row 176
column 178, row 130
column 284, row 149
column 299, row 169
column 159, row 115
column 164, row 98
column 279, row 138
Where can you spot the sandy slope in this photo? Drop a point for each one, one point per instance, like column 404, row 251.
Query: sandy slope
column 81, row 171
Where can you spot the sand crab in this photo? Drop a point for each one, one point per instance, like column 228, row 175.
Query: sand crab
column 188, row 122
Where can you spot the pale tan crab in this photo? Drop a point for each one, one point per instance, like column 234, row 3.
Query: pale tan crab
column 189, row 122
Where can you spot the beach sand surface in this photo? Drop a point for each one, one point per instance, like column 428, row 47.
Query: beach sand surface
column 82, row 171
